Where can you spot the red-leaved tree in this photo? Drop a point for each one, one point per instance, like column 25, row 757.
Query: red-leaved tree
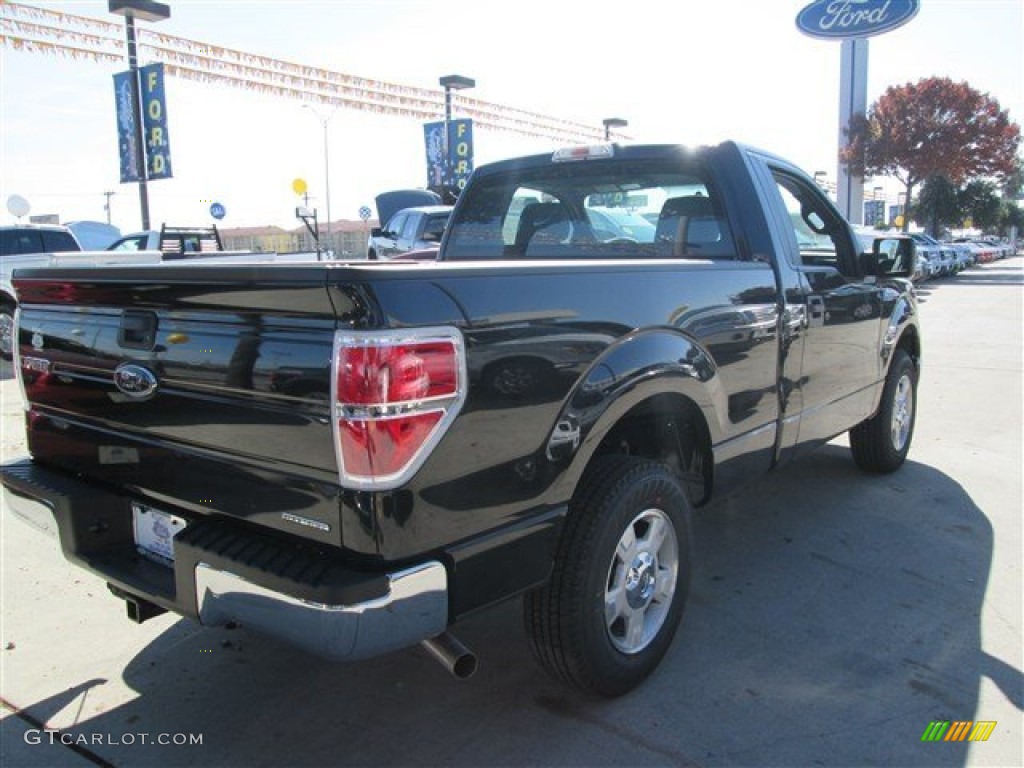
column 932, row 127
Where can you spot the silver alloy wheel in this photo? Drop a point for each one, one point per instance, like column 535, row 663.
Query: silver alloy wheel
column 641, row 581
column 902, row 412
column 6, row 334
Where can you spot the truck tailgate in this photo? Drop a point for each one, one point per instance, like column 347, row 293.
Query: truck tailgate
column 202, row 389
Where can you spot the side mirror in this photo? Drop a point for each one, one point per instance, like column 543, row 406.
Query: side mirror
column 376, row 232
column 890, row 257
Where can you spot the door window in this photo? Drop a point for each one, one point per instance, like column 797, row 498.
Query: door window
column 411, row 223
column 822, row 238
column 396, row 224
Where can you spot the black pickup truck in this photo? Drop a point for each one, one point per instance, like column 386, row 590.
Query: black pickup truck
column 352, row 457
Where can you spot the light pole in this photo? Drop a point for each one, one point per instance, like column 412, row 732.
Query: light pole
column 450, row 83
column 106, row 205
column 613, row 122
column 327, row 173
column 147, row 10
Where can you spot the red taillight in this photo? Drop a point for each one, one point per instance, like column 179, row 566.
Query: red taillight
column 395, row 395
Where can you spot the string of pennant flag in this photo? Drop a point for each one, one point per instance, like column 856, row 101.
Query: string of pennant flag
column 44, row 31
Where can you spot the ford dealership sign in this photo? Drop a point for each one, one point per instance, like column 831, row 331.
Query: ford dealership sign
column 848, row 19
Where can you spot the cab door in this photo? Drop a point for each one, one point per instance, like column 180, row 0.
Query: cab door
column 841, row 368
column 387, row 244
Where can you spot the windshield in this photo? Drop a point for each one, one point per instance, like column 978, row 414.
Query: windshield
column 594, row 209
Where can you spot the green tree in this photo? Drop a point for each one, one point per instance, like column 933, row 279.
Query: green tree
column 930, row 128
column 1011, row 215
column 1013, row 188
column 938, row 203
column 979, row 202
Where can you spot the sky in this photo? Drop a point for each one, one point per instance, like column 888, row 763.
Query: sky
column 683, row 72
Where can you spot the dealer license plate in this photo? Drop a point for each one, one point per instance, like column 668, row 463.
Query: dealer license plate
column 154, row 532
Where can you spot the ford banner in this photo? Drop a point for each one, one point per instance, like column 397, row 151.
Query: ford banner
column 851, row 19
column 455, row 172
column 127, row 137
column 460, row 153
column 154, row 122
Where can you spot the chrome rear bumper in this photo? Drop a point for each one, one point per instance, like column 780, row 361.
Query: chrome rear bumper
column 223, row 572
column 415, row 608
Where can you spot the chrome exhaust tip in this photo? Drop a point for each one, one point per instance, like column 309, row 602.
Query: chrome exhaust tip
column 453, row 655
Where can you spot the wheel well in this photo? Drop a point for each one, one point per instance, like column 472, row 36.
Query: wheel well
column 7, row 300
column 911, row 344
column 670, row 429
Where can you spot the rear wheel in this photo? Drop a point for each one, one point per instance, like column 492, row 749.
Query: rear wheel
column 881, row 443
column 610, row 610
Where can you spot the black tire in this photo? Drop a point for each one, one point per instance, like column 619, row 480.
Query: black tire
column 6, row 332
column 880, row 444
column 574, row 637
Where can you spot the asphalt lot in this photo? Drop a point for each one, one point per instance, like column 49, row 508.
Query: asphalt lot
column 833, row 616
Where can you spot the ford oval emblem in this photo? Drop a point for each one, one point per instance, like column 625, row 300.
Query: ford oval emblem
column 135, row 381
column 849, row 19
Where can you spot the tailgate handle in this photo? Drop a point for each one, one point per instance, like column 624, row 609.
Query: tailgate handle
column 138, row 330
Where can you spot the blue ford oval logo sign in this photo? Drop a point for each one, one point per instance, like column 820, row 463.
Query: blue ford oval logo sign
column 135, row 381
column 848, row 19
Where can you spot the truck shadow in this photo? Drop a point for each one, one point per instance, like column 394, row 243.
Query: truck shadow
column 832, row 616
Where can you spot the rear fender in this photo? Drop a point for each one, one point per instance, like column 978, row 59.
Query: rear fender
column 637, row 368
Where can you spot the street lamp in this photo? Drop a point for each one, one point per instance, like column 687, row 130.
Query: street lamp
column 147, row 10
column 613, row 122
column 327, row 173
column 450, row 83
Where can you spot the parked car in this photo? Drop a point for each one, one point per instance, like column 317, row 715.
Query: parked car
column 415, row 221
column 952, row 262
column 985, row 252
column 25, row 240
column 19, row 239
column 24, row 246
column 1002, row 247
column 964, row 255
column 941, row 259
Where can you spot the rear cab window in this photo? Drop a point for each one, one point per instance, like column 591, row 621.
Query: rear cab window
column 20, row 241
column 621, row 209
column 14, row 242
column 55, row 241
